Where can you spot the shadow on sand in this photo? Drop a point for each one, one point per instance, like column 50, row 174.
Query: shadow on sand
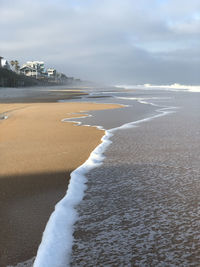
column 26, row 203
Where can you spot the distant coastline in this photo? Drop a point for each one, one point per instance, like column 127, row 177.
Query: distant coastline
column 31, row 73
column 9, row 78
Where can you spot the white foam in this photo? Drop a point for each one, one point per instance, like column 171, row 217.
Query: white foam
column 78, row 123
column 171, row 87
column 162, row 112
column 56, row 246
column 57, row 240
column 145, row 100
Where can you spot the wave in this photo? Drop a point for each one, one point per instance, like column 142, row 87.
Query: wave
column 57, row 240
column 56, row 246
column 143, row 100
column 172, row 87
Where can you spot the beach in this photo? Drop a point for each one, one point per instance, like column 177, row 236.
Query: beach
column 134, row 202
column 38, row 153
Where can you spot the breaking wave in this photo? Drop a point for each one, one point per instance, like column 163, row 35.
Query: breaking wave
column 172, row 87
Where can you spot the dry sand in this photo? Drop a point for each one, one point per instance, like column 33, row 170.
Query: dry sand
column 38, row 152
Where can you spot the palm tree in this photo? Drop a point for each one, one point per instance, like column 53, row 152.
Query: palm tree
column 15, row 65
column 12, row 63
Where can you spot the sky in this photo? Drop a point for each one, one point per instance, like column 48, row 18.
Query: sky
column 110, row 41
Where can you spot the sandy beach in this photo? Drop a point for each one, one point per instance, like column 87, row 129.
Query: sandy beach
column 38, row 153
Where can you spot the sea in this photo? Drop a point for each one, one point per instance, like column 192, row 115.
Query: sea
column 136, row 200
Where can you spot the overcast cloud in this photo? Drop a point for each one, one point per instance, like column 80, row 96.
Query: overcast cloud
column 115, row 41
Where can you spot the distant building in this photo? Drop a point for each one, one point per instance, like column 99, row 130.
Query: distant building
column 33, row 69
column 51, row 72
column 37, row 70
column 4, row 63
column 38, row 65
column 28, row 71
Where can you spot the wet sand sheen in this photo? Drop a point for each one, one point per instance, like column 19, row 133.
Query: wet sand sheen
column 38, row 152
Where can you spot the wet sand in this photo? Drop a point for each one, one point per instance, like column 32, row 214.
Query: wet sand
column 39, row 94
column 38, row 153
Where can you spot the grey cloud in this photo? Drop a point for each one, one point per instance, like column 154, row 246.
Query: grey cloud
column 114, row 41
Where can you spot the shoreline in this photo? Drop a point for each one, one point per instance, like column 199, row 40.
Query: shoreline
column 39, row 95
column 64, row 234
column 29, row 196
column 67, row 205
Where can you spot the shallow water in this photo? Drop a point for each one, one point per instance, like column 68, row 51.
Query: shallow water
column 141, row 207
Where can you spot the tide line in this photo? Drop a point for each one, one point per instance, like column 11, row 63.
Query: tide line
column 56, row 246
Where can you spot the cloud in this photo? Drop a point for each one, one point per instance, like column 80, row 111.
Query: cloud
column 125, row 41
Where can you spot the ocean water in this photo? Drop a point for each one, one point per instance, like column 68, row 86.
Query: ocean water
column 136, row 200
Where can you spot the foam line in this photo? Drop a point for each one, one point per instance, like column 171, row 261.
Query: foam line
column 162, row 112
column 56, row 246
column 78, row 123
column 171, row 87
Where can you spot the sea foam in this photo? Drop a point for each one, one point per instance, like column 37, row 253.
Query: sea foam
column 56, row 246
column 171, row 87
column 57, row 240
